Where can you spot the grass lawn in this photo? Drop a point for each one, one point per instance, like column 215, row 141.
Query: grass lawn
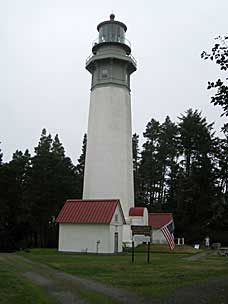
column 166, row 271
column 17, row 290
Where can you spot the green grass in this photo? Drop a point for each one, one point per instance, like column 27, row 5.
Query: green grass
column 95, row 297
column 166, row 272
column 17, row 290
column 160, row 248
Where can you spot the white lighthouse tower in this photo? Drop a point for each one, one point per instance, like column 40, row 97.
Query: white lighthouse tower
column 108, row 166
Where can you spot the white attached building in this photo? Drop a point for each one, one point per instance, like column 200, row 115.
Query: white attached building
column 93, row 226
column 138, row 216
column 157, row 221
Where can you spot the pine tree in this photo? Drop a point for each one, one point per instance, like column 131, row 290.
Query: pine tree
column 223, row 163
column 167, row 154
column 53, row 179
column 220, row 208
column 196, row 180
column 195, row 137
column 81, row 160
column 80, row 168
column 159, row 157
column 149, row 170
column 14, row 219
column 136, row 165
column 57, row 147
column 1, row 155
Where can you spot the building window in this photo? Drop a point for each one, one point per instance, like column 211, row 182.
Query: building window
column 116, row 217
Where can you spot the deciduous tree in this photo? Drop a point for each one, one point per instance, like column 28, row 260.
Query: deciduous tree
column 219, row 54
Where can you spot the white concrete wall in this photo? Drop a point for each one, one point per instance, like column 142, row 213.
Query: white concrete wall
column 117, row 226
column 137, row 220
column 158, row 237
column 108, row 167
column 119, row 220
column 83, row 237
column 79, row 237
column 127, row 234
column 140, row 220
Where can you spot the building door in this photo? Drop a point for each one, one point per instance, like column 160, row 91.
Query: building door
column 116, row 242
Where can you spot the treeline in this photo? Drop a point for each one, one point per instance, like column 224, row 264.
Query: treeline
column 33, row 190
column 183, row 168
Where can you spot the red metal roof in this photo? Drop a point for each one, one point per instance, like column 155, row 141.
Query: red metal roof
column 136, row 211
column 88, row 211
column 158, row 220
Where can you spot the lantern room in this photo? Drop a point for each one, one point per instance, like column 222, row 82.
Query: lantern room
column 112, row 32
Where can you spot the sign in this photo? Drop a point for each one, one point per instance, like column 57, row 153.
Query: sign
column 141, row 230
column 141, row 233
column 141, row 238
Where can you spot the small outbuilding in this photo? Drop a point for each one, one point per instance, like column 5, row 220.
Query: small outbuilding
column 138, row 216
column 93, row 226
column 157, row 221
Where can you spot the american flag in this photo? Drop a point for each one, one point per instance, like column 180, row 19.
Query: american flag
column 168, row 230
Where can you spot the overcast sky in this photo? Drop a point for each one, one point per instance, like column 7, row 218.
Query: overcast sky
column 44, row 45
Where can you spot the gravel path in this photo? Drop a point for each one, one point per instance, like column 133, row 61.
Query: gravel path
column 196, row 256
column 213, row 291
column 54, row 289
column 66, row 288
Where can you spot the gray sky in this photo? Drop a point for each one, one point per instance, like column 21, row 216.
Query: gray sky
column 44, row 44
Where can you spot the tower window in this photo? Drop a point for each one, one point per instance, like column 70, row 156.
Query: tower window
column 104, row 73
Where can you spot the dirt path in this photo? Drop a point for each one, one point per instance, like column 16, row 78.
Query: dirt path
column 68, row 289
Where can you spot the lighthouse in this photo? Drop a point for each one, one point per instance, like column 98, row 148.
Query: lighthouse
column 101, row 221
column 108, row 165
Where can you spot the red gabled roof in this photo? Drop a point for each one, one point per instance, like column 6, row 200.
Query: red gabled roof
column 88, row 211
column 158, row 220
column 136, row 211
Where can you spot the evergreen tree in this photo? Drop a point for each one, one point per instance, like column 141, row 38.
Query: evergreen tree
column 81, row 160
column 167, row 154
column 80, row 168
column 159, row 157
column 220, row 208
column 223, row 163
column 196, row 186
column 149, row 170
column 53, row 179
column 195, row 137
column 136, row 165
column 1, row 155
column 14, row 219
column 135, row 151
column 40, row 191
column 57, row 147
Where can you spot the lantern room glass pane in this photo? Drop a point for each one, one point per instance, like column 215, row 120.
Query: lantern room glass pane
column 111, row 33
